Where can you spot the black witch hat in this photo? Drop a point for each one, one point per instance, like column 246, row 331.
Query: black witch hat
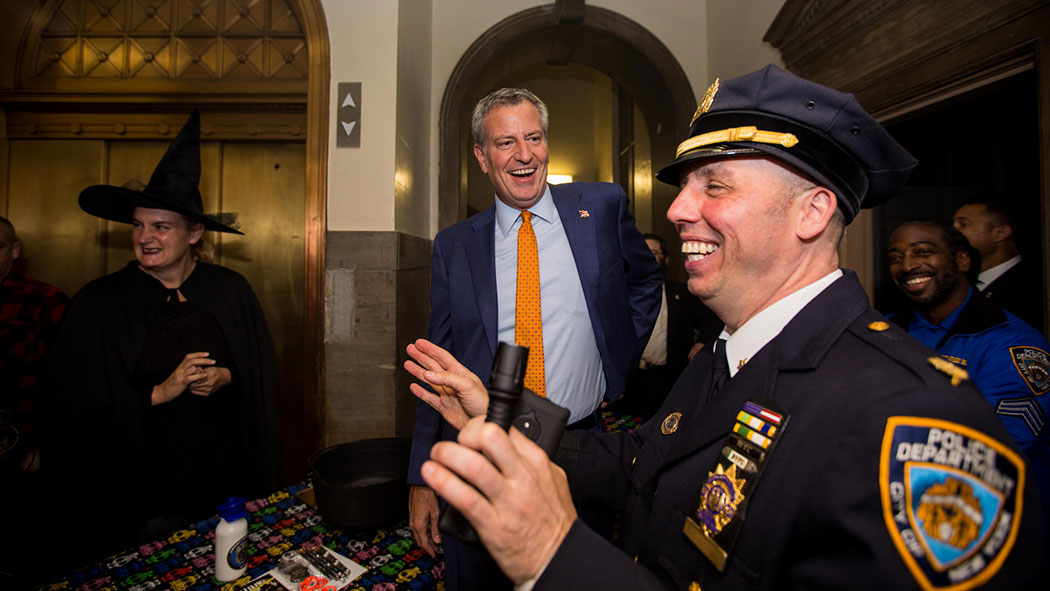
column 174, row 186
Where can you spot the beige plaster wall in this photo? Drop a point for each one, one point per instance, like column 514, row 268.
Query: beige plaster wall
column 734, row 38
column 681, row 25
column 364, row 48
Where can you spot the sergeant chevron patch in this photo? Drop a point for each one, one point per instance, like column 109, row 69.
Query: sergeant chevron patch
column 1034, row 365
column 1027, row 409
column 951, row 498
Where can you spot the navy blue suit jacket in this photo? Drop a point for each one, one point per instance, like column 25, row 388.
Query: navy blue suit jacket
column 621, row 283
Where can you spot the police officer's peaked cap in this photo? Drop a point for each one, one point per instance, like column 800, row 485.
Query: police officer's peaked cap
column 821, row 131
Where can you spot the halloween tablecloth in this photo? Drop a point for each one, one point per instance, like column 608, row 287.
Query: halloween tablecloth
column 277, row 524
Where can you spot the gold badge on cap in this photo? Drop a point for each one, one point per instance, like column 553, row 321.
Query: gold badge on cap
column 878, row 326
column 670, row 424
column 956, row 373
column 705, row 103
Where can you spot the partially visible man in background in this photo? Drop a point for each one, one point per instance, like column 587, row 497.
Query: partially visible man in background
column 683, row 326
column 30, row 311
column 1004, row 278
column 29, row 314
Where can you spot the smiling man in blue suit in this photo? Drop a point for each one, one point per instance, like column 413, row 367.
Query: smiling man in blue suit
column 598, row 281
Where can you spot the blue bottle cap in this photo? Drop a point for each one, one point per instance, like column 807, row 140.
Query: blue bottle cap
column 232, row 509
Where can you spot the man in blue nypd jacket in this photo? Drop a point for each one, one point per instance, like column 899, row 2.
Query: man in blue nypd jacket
column 1007, row 359
column 813, row 446
column 599, row 286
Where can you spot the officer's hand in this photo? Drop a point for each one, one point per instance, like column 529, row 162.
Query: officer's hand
column 460, row 393
column 523, row 510
column 423, row 518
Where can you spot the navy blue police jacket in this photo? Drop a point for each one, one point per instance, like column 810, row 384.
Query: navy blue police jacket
column 887, row 475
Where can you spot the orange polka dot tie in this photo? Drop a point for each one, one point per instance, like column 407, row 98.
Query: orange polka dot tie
column 528, row 314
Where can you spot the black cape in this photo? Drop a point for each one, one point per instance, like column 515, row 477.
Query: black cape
column 96, row 411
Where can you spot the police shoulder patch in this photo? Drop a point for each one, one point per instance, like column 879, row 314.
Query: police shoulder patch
column 1034, row 366
column 951, row 499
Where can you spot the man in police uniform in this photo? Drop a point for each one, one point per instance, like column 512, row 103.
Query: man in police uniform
column 1004, row 357
column 824, row 449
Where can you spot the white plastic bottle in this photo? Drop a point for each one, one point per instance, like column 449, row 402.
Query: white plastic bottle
column 231, row 540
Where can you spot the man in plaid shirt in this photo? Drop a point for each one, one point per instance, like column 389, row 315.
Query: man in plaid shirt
column 29, row 315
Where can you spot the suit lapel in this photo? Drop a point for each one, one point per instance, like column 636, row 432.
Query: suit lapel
column 572, row 205
column 481, row 257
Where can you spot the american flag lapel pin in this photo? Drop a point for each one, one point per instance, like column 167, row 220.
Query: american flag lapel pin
column 584, row 213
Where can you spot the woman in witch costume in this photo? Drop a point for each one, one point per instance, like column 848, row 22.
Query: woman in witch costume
column 165, row 390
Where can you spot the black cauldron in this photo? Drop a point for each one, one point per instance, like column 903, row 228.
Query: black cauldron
column 361, row 485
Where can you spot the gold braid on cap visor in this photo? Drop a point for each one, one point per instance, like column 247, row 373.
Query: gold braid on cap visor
column 736, row 134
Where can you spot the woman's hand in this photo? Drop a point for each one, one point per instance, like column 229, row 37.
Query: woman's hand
column 214, row 378
column 189, row 371
column 460, row 393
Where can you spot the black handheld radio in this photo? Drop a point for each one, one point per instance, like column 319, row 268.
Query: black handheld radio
column 506, row 382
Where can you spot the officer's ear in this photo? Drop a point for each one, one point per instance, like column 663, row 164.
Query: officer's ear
column 963, row 260
column 16, row 249
column 817, row 207
column 1000, row 233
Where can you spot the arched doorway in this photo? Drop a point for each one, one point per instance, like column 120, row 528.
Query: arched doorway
column 102, row 87
column 640, row 66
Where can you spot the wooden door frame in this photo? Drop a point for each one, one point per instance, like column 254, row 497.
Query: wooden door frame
column 316, row 30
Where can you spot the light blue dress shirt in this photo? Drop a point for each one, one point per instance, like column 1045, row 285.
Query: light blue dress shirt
column 572, row 364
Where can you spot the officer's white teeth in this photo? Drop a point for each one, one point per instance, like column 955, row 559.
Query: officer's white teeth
column 916, row 281
column 695, row 250
column 523, row 172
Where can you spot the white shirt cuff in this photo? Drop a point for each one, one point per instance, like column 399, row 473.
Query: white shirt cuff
column 527, row 585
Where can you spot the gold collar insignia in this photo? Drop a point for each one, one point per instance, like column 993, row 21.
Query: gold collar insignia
column 957, row 374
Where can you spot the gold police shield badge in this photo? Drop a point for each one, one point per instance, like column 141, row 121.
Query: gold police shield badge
column 722, row 500
column 719, row 498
